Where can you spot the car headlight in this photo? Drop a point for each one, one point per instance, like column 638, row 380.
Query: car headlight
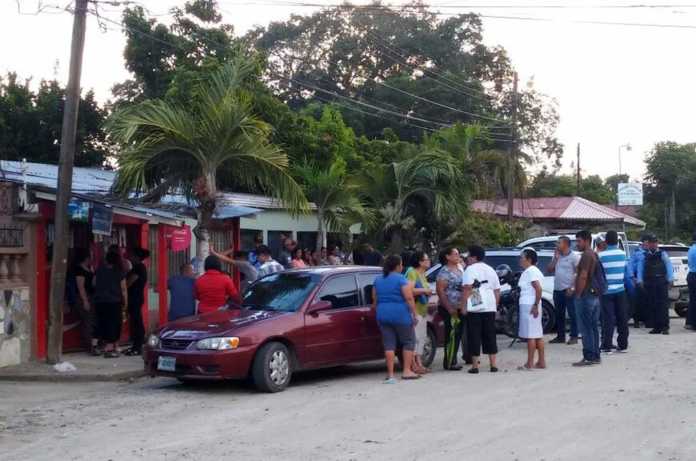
column 218, row 344
column 153, row 341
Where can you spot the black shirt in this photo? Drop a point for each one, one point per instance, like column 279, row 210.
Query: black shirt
column 80, row 271
column 108, row 285
column 136, row 292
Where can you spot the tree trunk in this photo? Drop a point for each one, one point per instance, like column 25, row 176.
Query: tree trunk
column 396, row 244
column 673, row 211
column 321, row 233
column 206, row 193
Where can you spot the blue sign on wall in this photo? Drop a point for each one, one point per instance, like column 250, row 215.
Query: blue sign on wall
column 102, row 219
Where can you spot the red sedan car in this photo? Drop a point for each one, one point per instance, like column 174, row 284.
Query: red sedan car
column 289, row 321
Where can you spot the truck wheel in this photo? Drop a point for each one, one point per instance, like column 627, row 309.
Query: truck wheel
column 272, row 368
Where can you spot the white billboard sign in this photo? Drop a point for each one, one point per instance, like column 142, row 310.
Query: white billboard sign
column 630, row 193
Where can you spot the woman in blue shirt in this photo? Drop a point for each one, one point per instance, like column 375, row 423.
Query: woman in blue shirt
column 392, row 297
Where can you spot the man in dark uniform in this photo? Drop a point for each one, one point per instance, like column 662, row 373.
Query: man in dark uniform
column 655, row 274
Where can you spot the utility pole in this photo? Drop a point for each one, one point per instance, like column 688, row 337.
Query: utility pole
column 65, row 170
column 578, row 177
column 512, row 153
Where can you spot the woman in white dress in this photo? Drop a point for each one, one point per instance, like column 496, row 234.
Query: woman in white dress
column 530, row 309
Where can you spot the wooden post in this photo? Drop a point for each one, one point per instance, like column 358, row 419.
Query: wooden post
column 42, row 284
column 59, row 263
column 512, row 155
column 144, row 244
column 162, row 272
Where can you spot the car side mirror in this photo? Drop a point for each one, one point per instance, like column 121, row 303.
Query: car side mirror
column 317, row 307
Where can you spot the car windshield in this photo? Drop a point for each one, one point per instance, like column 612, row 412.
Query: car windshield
column 283, row 291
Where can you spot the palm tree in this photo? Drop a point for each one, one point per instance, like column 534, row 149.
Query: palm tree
column 335, row 196
column 215, row 139
column 429, row 183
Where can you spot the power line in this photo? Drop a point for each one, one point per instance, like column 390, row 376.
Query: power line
column 593, row 22
column 421, row 6
column 404, row 60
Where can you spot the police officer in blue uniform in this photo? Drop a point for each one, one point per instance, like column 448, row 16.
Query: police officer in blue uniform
column 655, row 274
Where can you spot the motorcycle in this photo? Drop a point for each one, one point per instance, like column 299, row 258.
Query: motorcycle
column 507, row 316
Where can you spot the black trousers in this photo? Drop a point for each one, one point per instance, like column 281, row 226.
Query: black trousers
column 135, row 323
column 614, row 317
column 656, row 304
column 458, row 335
column 482, row 334
column 691, row 313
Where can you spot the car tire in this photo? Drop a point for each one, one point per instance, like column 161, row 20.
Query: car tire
column 430, row 349
column 272, row 368
column 548, row 319
column 186, row 382
column 681, row 310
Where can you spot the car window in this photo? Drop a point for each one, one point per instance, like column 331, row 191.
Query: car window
column 543, row 264
column 283, row 291
column 511, row 260
column 366, row 282
column 432, row 277
column 340, row 292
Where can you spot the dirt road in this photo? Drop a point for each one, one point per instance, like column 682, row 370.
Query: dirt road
column 637, row 406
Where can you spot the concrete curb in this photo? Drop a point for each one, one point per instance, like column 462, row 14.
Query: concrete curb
column 71, row 377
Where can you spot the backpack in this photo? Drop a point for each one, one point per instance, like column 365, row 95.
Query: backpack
column 599, row 278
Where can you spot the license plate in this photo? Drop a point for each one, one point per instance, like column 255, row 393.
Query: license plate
column 166, row 363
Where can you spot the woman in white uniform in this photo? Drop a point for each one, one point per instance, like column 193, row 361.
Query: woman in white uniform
column 530, row 309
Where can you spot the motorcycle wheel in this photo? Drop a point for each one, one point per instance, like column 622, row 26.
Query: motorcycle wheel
column 512, row 320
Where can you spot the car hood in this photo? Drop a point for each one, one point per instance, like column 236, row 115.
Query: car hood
column 214, row 323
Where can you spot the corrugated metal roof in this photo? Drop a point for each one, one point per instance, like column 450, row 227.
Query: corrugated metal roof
column 559, row 208
column 93, row 181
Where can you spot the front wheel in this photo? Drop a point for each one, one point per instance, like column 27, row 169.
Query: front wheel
column 272, row 368
column 681, row 309
column 429, row 349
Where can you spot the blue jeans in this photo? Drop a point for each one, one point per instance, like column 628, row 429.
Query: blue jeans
column 587, row 310
column 562, row 303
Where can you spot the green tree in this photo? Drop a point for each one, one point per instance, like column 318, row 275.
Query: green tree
column 335, row 196
column 31, row 121
column 671, row 188
column 592, row 188
column 380, row 53
column 409, row 195
column 214, row 140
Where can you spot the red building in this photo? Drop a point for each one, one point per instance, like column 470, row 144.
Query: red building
column 98, row 219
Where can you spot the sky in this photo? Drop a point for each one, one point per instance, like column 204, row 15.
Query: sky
column 614, row 85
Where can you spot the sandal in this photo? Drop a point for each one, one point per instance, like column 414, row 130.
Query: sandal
column 111, row 354
column 132, row 352
column 524, row 368
column 408, row 378
column 494, row 370
column 473, row 371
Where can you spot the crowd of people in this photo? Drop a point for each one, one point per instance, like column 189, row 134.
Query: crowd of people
column 112, row 291
column 594, row 287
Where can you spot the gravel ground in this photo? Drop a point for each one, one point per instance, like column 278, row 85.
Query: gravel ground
column 637, row 406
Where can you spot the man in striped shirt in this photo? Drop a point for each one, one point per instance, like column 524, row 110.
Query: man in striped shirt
column 614, row 308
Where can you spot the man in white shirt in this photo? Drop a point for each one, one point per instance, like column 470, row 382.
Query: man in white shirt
column 481, row 295
column 268, row 264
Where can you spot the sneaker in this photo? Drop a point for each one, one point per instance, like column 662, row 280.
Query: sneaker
column 665, row 332
column 572, row 341
column 622, row 351
column 654, row 331
column 607, row 351
column 557, row 340
column 596, row 362
column 389, row 381
column 583, row 363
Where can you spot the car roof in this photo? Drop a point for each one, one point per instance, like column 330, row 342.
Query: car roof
column 329, row 270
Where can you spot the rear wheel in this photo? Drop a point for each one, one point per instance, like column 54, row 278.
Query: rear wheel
column 429, row 349
column 272, row 368
column 512, row 322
